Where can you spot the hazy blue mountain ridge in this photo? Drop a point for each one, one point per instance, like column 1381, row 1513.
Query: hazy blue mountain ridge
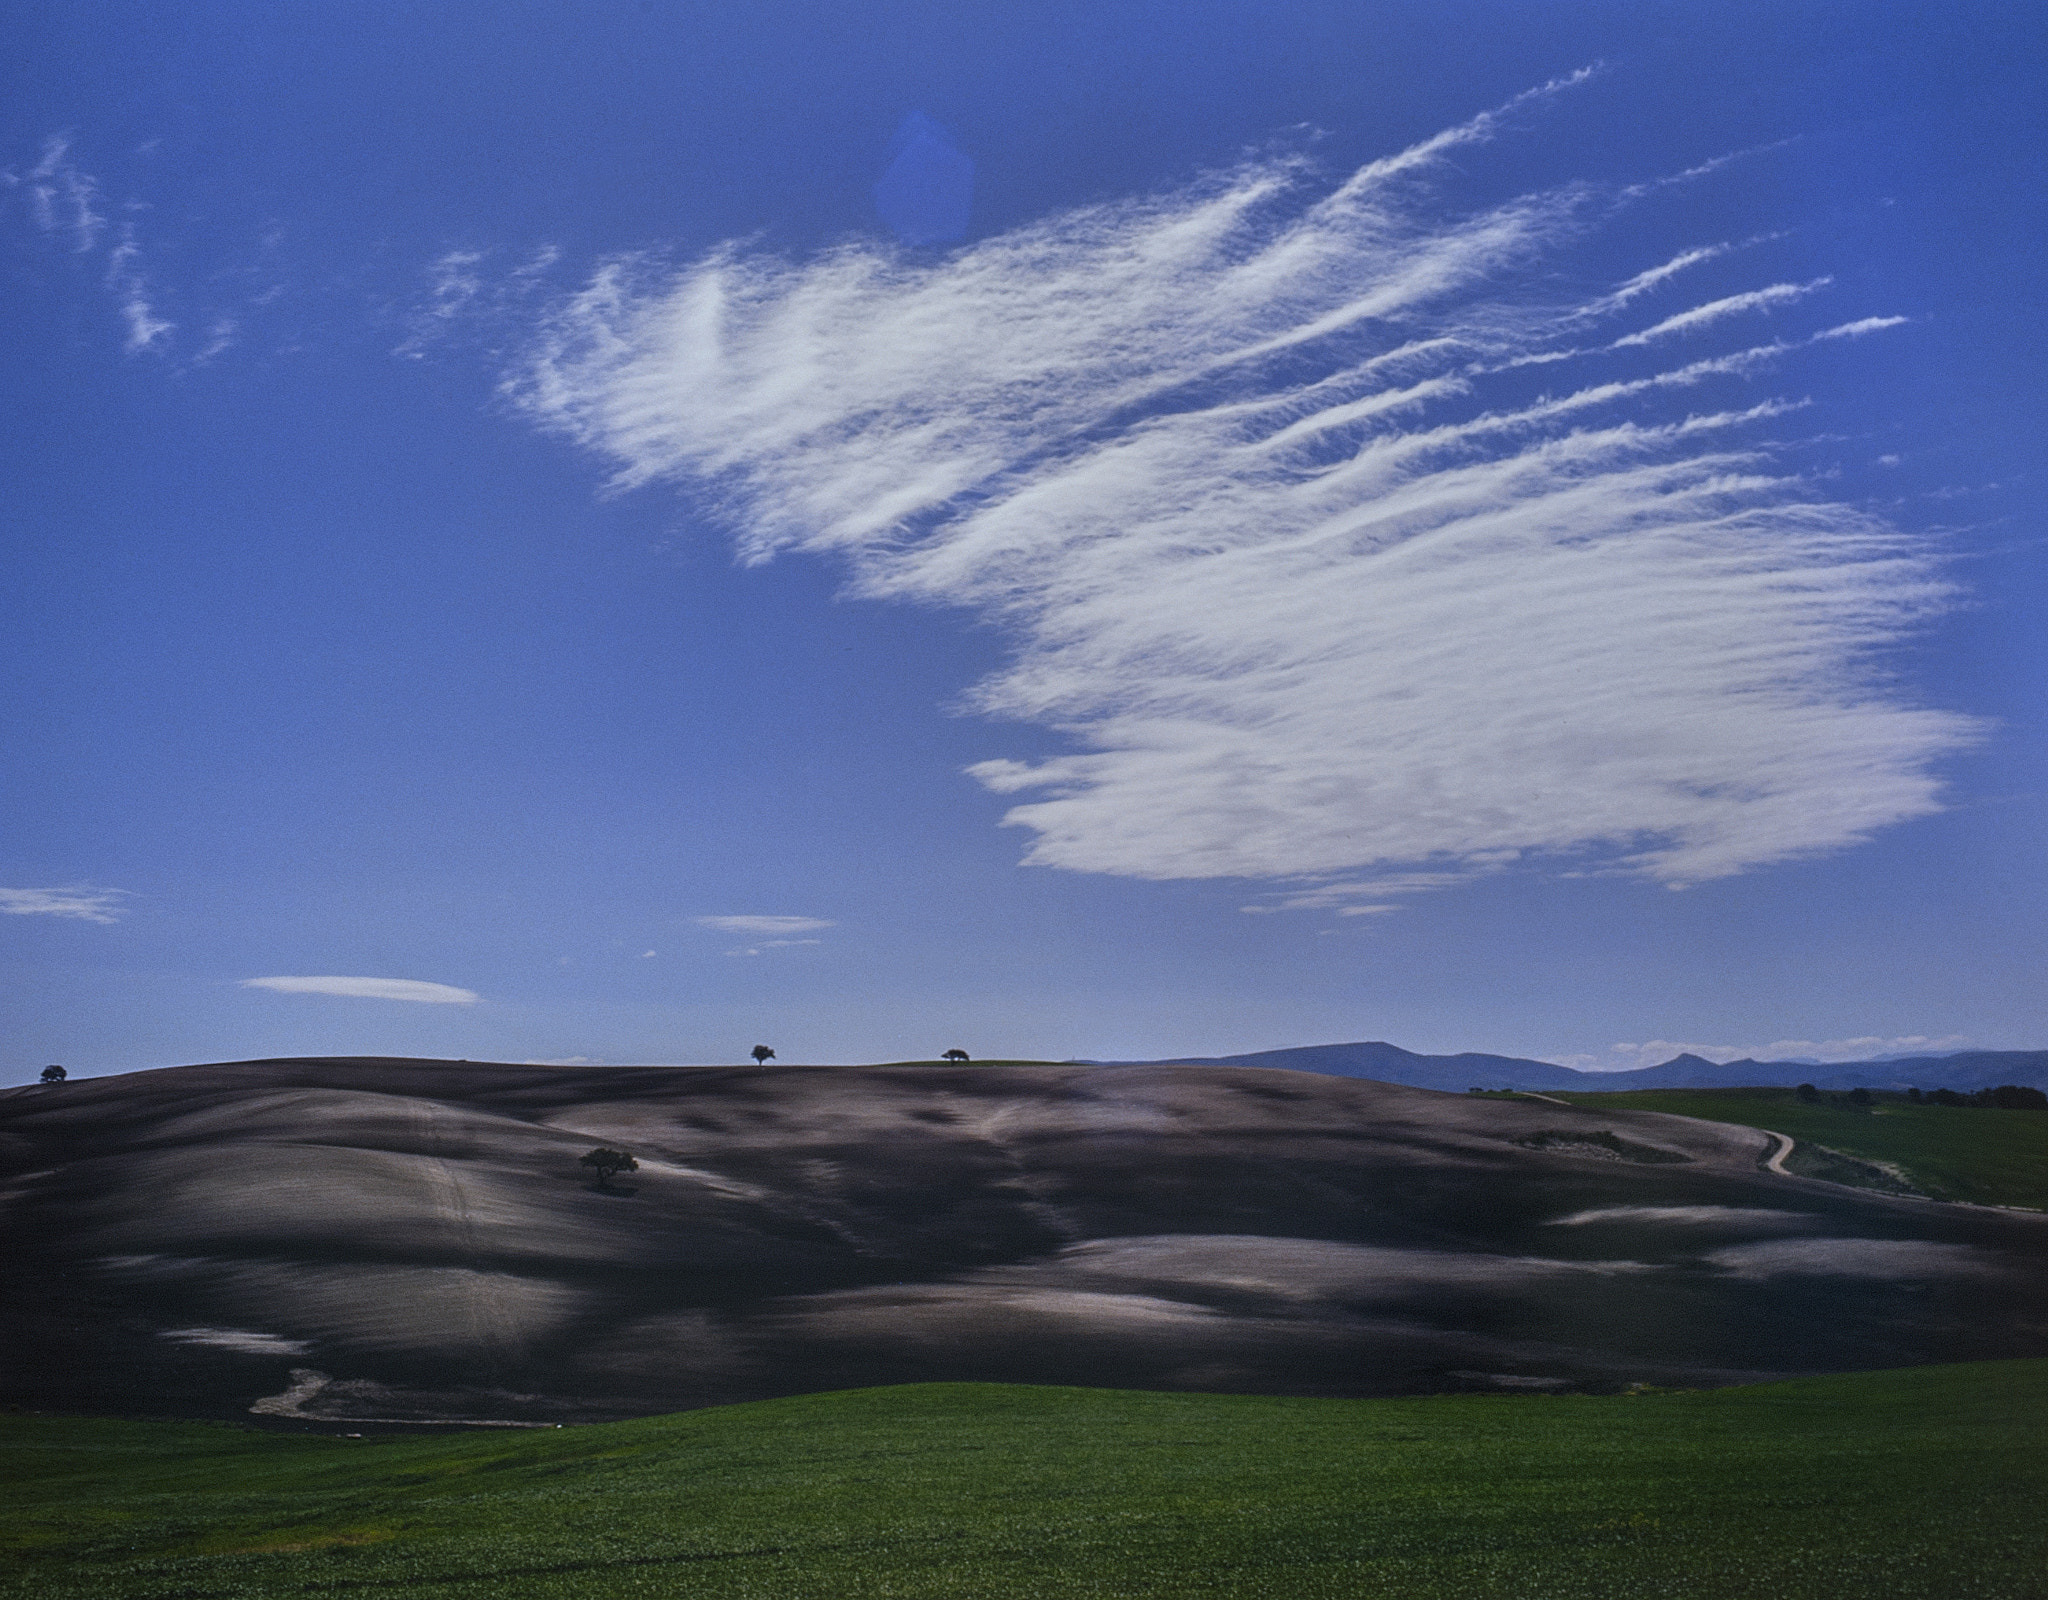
column 1387, row 1063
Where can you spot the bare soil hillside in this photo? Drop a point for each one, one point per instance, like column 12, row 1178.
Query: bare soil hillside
column 357, row 1239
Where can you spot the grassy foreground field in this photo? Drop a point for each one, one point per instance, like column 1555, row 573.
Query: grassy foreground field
column 1975, row 1153
column 1928, row 1482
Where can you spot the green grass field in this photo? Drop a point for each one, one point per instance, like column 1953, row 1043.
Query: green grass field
column 1995, row 1158
column 1926, row 1483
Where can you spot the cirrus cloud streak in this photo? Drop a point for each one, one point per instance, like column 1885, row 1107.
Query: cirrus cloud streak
column 414, row 989
column 1320, row 592
column 788, row 925
column 81, row 901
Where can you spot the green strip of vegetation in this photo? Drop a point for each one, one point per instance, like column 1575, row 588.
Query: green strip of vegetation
column 1923, row 1484
column 1975, row 1153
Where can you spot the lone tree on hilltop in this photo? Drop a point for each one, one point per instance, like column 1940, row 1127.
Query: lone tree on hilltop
column 762, row 1055
column 954, row 1055
column 607, row 1162
column 53, row 1074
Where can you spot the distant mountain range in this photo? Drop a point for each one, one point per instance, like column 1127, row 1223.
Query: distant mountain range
column 1387, row 1063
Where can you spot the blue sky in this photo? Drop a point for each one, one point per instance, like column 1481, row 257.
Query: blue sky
column 1511, row 527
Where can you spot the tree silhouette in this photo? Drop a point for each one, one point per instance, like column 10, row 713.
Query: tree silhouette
column 762, row 1055
column 53, row 1074
column 955, row 1055
column 607, row 1162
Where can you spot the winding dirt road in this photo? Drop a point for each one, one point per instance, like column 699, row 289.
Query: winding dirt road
column 1775, row 1163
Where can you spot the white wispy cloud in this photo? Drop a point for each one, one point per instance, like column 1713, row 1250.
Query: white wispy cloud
column 1734, row 305
column 1868, row 1047
column 1863, row 325
column 466, row 285
column 763, row 924
column 1317, row 595
column 454, row 280
column 1656, row 277
column 81, row 901
column 434, row 994
column 63, row 201
column 223, row 305
column 129, row 285
column 61, row 197
column 220, row 335
column 771, row 944
column 1354, row 897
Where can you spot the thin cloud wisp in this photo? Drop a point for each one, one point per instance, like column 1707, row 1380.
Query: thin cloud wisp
column 79, row 901
column 416, row 990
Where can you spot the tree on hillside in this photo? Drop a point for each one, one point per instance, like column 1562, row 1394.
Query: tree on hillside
column 1859, row 1097
column 1947, row 1097
column 2011, row 1097
column 1808, row 1093
column 607, row 1162
column 954, row 1055
column 53, row 1074
column 762, row 1055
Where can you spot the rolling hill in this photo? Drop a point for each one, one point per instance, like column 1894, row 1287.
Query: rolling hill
column 325, row 1240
